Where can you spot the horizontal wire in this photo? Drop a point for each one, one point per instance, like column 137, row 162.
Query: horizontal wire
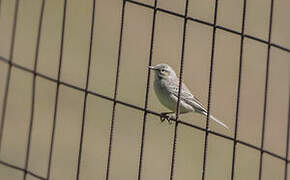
column 210, row 24
column 21, row 169
column 139, row 108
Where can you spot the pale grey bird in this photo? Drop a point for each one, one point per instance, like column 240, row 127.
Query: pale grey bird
column 166, row 86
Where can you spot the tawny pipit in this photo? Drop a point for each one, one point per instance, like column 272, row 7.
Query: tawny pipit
column 166, row 86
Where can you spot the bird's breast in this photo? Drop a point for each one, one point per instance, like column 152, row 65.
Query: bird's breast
column 163, row 95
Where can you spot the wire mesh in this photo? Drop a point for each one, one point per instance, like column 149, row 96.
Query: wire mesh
column 155, row 9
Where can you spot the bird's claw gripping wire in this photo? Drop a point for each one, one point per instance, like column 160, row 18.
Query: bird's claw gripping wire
column 165, row 116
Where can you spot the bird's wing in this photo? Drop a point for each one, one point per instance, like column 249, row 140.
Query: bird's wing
column 186, row 96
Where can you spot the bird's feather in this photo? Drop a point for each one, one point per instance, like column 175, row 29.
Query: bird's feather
column 186, row 96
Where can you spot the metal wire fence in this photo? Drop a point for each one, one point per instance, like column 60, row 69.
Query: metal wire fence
column 144, row 109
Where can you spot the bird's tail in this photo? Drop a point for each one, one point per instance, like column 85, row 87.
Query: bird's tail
column 216, row 120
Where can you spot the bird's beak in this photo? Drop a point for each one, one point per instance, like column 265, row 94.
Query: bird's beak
column 152, row 67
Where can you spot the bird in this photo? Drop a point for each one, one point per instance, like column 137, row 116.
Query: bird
column 166, row 87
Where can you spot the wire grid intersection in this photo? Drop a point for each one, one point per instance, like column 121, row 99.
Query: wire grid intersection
column 155, row 10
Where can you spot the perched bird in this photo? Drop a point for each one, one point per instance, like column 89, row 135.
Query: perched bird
column 166, row 86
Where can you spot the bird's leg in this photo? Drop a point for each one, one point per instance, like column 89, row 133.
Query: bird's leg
column 164, row 116
column 172, row 115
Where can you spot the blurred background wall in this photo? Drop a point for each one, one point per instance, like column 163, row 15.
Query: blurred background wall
column 74, row 52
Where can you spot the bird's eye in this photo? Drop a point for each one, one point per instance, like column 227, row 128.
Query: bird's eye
column 163, row 70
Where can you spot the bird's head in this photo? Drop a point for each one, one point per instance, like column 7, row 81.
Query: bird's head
column 163, row 71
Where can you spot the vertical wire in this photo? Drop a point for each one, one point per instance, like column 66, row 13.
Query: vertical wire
column 287, row 142
column 239, row 89
column 11, row 54
column 209, row 90
column 86, row 90
column 266, row 91
column 116, row 92
column 33, row 89
column 0, row 7
column 57, row 90
column 147, row 92
column 179, row 92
